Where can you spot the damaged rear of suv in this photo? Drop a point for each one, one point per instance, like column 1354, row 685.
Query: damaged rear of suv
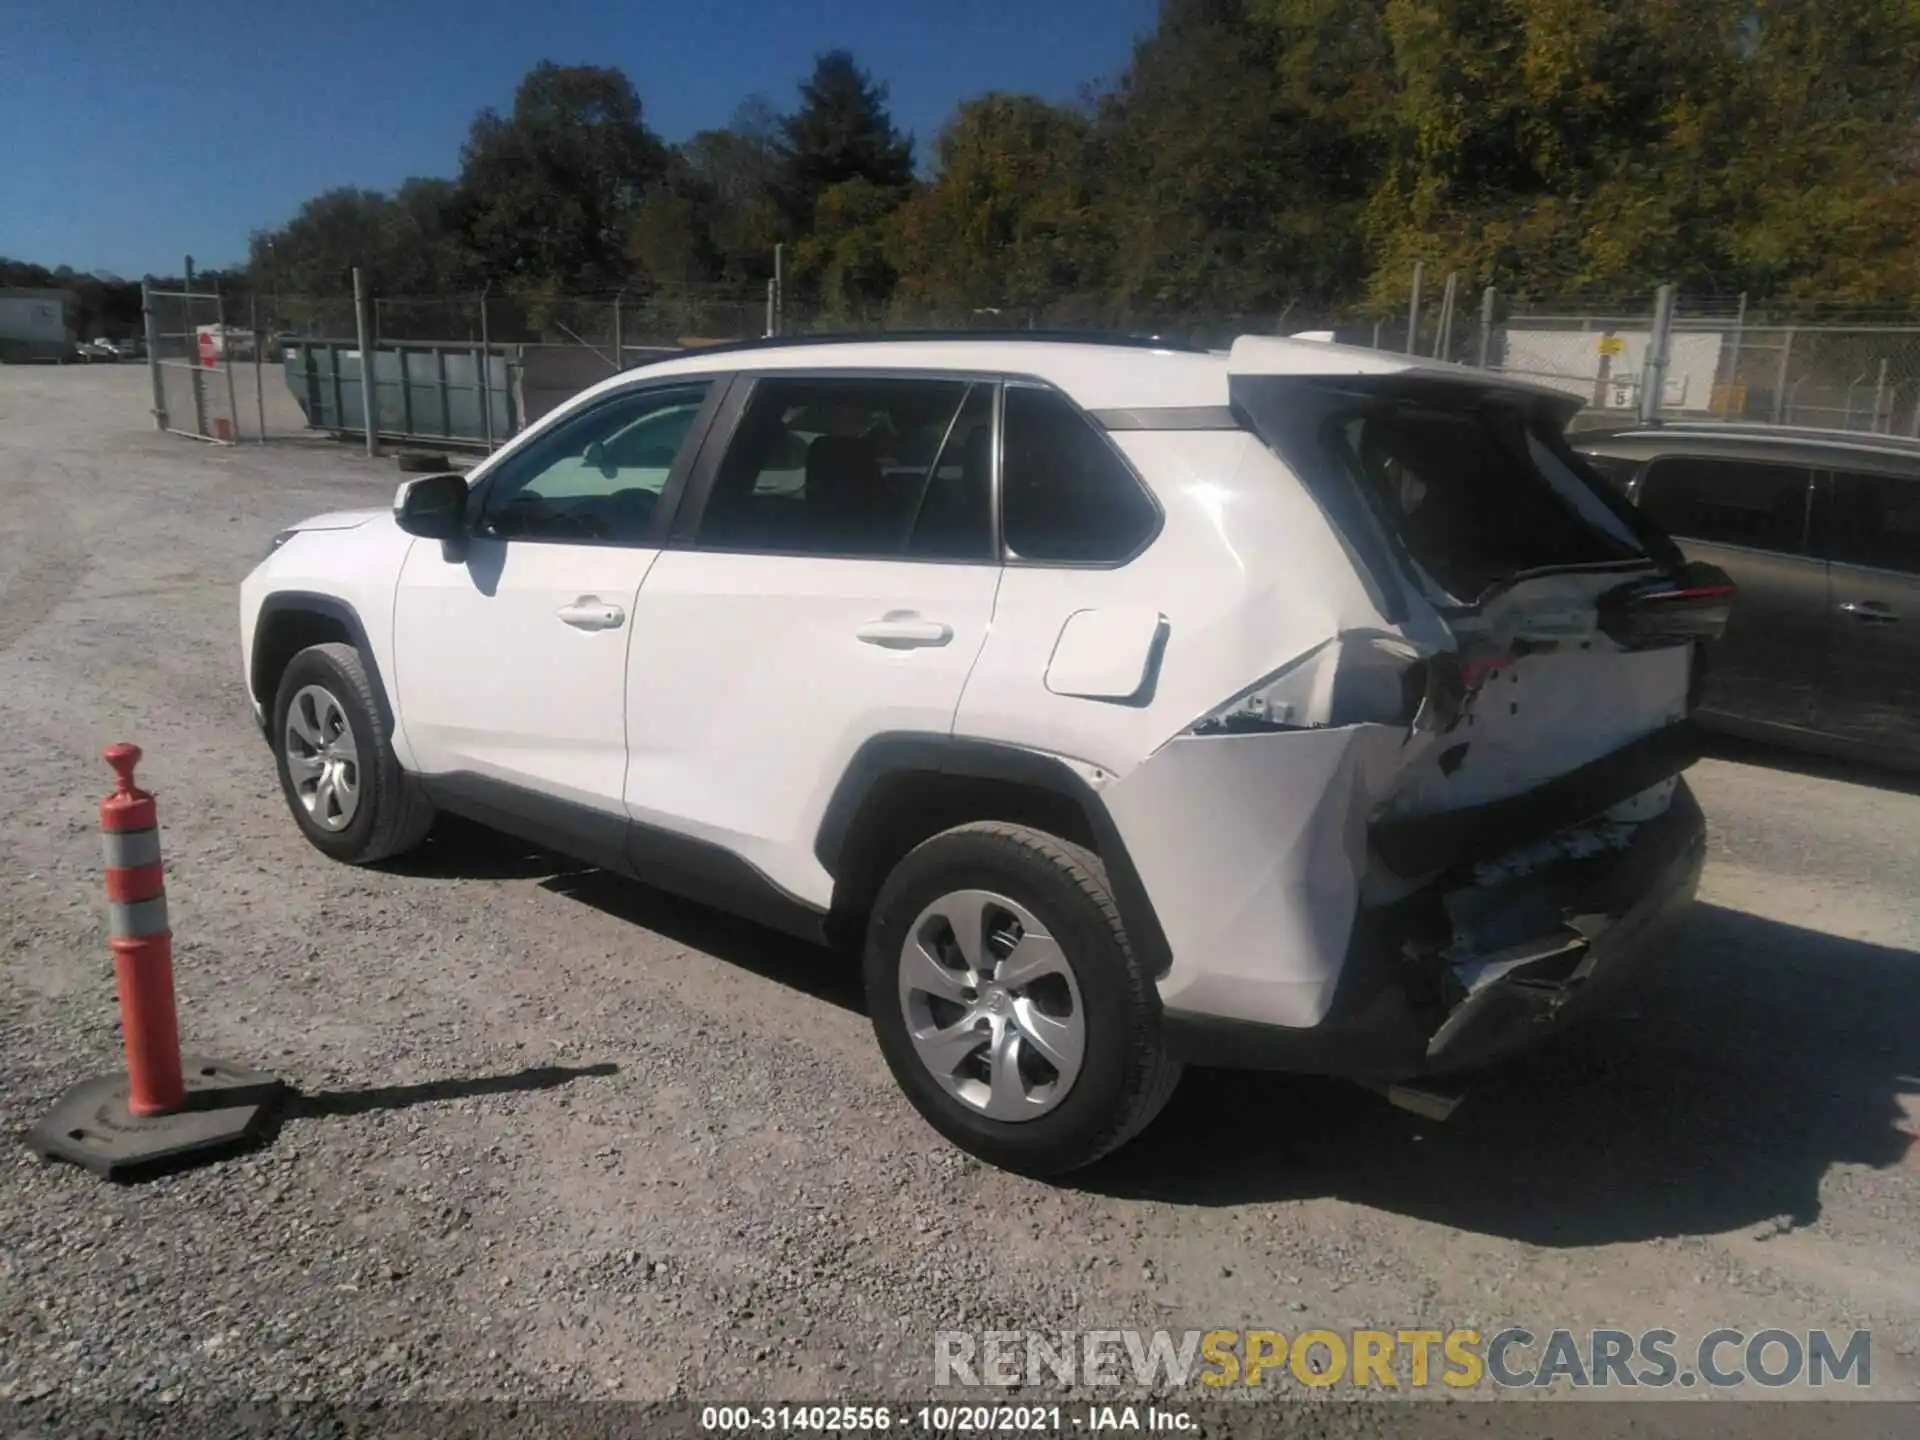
column 1422, row 843
column 1298, row 706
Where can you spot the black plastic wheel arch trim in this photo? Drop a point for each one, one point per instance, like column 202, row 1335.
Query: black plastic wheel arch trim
column 889, row 756
column 307, row 603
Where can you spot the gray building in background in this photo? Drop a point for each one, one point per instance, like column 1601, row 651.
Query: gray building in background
column 36, row 324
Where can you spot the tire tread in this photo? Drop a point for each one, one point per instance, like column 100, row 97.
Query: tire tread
column 402, row 813
column 1152, row 1073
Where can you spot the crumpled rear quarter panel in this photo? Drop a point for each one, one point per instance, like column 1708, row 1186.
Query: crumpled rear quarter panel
column 1253, row 849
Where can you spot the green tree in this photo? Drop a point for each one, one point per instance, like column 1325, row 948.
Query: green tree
column 736, row 174
column 845, row 260
column 1232, row 175
column 1563, row 147
column 549, row 191
column 669, row 238
column 1006, row 222
column 1822, row 195
column 314, row 253
column 842, row 132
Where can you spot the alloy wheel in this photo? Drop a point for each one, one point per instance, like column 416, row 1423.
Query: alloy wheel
column 323, row 758
column 992, row 1006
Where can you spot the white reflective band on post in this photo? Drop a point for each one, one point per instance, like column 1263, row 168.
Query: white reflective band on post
column 137, row 919
column 131, row 849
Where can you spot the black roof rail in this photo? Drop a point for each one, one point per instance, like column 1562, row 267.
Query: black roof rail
column 888, row 337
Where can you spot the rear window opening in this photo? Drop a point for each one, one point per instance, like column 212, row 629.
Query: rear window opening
column 1476, row 495
column 1462, row 478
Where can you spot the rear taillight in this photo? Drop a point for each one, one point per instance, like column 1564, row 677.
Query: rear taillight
column 1691, row 604
column 1356, row 679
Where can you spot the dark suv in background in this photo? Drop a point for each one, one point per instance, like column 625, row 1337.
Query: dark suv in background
column 1820, row 531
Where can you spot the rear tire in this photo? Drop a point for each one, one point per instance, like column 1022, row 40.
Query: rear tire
column 342, row 782
column 1068, row 1064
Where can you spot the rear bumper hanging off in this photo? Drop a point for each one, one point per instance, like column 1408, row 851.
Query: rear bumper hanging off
column 1419, row 997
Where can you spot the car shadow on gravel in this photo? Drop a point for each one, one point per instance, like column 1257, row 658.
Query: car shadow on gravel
column 461, row 849
column 1761, row 1056
column 814, row 970
column 464, row 850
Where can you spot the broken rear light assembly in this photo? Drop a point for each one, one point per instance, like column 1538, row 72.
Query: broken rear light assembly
column 1689, row 605
column 1356, row 679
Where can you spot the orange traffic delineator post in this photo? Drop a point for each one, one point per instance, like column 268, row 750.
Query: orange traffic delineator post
column 166, row 1110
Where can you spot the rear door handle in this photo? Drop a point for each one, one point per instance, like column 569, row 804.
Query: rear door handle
column 590, row 612
column 904, row 632
column 1873, row 611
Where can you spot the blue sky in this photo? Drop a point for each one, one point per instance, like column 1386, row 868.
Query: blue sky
column 139, row 133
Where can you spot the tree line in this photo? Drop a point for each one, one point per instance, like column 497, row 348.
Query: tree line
column 1255, row 158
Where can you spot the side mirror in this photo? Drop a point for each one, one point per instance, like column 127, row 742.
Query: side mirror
column 433, row 507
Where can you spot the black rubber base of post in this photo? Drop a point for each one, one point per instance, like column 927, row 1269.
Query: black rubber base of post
column 227, row 1109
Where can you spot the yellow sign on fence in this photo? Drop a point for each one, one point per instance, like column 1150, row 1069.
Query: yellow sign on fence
column 1612, row 345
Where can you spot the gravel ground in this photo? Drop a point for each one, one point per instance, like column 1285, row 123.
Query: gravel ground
column 559, row 1136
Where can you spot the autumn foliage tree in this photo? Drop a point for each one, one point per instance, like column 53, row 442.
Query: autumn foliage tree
column 1254, row 158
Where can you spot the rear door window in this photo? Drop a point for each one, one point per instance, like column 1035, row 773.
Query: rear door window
column 1729, row 502
column 1874, row 520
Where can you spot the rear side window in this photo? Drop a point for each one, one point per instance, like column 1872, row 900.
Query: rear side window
column 1729, row 502
column 1066, row 495
column 858, row 468
column 1874, row 520
column 1475, row 495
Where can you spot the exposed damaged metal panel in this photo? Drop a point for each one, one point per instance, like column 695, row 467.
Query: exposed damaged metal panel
column 1532, row 930
column 1257, row 900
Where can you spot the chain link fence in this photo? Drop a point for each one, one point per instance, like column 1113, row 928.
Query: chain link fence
column 187, row 356
column 1711, row 359
column 1830, row 377
column 469, row 369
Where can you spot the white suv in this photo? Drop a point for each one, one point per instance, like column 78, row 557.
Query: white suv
column 1295, row 706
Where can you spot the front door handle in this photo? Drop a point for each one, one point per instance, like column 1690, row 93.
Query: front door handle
column 904, row 632
column 1874, row 612
column 590, row 612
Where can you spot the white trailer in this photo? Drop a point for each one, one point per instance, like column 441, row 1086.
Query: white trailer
column 34, row 325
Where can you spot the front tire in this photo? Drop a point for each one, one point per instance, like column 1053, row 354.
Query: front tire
column 1007, row 1001
column 341, row 779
